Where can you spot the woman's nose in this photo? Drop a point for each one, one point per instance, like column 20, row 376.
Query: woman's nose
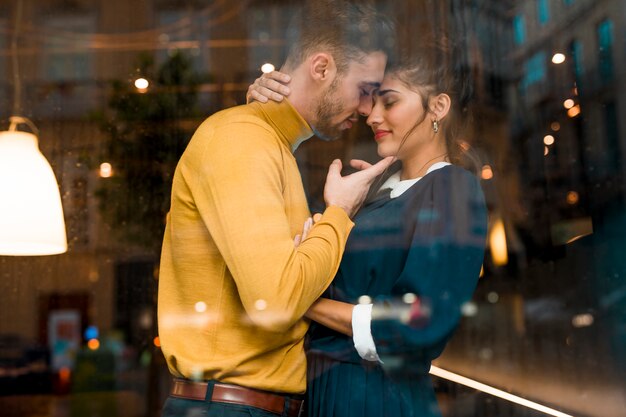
column 373, row 119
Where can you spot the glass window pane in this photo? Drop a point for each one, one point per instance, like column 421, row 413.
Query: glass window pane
column 519, row 29
column 543, row 11
column 491, row 252
column 605, row 49
column 611, row 130
column 576, row 52
column 534, row 69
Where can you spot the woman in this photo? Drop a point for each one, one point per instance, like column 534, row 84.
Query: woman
column 416, row 251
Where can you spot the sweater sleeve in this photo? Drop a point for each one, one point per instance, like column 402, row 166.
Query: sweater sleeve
column 441, row 270
column 239, row 193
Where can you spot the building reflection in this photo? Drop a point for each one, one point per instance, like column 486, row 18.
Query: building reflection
column 547, row 320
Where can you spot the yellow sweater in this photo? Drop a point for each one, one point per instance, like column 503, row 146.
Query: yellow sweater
column 232, row 287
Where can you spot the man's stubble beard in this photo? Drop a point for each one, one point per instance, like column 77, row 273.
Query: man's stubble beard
column 327, row 107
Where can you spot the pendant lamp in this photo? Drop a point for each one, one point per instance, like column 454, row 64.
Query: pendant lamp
column 31, row 215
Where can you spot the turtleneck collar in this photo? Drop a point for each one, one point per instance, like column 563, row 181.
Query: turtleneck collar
column 289, row 125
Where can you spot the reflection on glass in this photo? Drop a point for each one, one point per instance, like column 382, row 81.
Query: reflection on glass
column 605, row 49
column 487, row 172
column 519, row 29
column 543, row 11
column 546, row 322
column 267, row 68
column 106, row 170
column 497, row 243
column 142, row 84
column 573, row 111
column 558, row 58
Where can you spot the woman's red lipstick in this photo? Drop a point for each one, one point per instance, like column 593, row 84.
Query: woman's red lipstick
column 380, row 133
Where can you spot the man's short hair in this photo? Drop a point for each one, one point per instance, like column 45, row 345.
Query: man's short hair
column 346, row 30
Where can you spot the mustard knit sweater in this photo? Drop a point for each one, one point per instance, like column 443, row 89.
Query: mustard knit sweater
column 232, row 288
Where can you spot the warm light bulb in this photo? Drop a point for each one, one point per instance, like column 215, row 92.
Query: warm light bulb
column 267, row 68
column 574, row 111
column 487, row 172
column 548, row 140
column 141, row 84
column 106, row 170
column 572, row 198
column 497, row 244
column 558, row 58
column 569, row 103
column 582, row 320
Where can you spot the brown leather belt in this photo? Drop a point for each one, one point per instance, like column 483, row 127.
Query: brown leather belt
column 283, row 405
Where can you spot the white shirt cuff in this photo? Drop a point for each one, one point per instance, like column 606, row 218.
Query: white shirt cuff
column 362, row 332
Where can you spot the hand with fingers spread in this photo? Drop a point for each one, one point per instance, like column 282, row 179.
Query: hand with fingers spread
column 270, row 86
column 349, row 192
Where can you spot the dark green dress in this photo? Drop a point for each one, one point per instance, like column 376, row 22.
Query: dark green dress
column 427, row 242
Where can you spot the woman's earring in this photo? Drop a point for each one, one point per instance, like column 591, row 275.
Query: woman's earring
column 435, row 125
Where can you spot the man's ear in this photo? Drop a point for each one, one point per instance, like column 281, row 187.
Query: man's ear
column 322, row 67
column 439, row 105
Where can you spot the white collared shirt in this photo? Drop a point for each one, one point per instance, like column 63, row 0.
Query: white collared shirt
column 399, row 186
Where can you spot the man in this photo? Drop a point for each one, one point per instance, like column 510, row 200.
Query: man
column 233, row 288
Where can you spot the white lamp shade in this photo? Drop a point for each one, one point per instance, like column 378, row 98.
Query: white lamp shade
column 31, row 215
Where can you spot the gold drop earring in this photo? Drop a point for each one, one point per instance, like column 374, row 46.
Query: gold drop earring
column 435, row 125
